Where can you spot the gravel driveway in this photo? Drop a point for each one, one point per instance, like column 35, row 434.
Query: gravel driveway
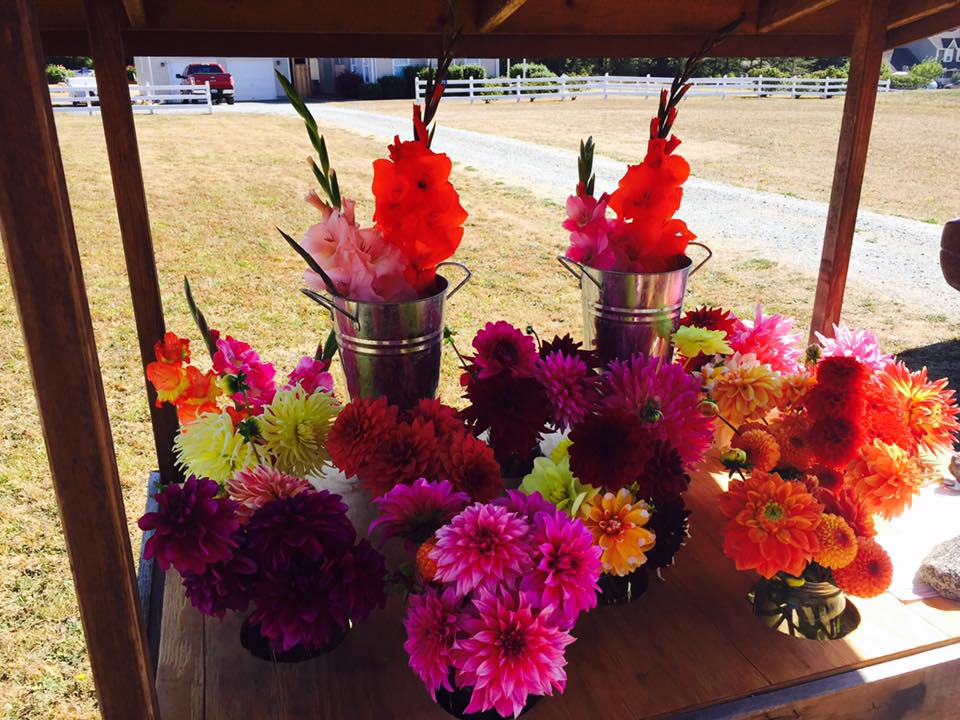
column 896, row 257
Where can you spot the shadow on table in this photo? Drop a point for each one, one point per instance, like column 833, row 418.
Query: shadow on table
column 941, row 359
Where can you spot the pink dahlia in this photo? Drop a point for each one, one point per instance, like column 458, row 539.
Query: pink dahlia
column 508, row 652
column 860, row 344
column 250, row 380
column 771, row 340
column 668, row 398
column 572, row 388
column 192, row 527
column 567, row 569
column 431, row 624
column 252, row 489
column 482, row 547
column 502, row 348
column 525, row 506
column 414, row 512
column 312, row 375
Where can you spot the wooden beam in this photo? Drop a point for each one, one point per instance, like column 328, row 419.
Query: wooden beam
column 40, row 245
column 924, row 27
column 910, row 11
column 858, row 105
column 774, row 14
column 491, row 14
column 136, row 13
column 104, row 17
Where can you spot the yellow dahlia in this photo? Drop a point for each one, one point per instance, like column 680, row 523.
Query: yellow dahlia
column 929, row 408
column 617, row 523
column 211, row 447
column 761, row 447
column 743, row 388
column 887, row 477
column 691, row 341
column 295, row 426
column 793, row 389
column 838, row 542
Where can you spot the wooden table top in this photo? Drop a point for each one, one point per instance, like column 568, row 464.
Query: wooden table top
column 689, row 642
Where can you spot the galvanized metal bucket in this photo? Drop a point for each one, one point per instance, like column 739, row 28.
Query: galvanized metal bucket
column 622, row 311
column 391, row 349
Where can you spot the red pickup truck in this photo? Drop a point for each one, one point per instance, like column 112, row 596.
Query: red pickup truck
column 221, row 82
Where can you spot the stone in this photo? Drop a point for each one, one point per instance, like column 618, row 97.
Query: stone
column 941, row 569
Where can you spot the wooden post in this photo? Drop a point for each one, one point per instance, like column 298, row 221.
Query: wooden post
column 44, row 266
column 103, row 21
column 865, row 58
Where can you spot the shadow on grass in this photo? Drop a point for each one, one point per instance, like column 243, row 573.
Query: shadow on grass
column 941, row 359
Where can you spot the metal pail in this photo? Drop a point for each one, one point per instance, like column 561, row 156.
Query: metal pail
column 621, row 311
column 391, row 349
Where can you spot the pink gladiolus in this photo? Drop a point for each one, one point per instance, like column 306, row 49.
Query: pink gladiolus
column 312, row 375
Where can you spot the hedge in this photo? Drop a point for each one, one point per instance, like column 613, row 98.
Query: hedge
column 393, row 87
column 371, row 91
column 57, row 74
column 348, row 85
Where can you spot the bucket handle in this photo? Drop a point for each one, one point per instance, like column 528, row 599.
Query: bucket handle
column 332, row 307
column 705, row 260
column 466, row 278
column 579, row 273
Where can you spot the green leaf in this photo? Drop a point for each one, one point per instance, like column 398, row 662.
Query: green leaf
column 294, row 97
column 308, row 258
column 334, row 190
column 315, row 138
column 324, row 158
column 329, row 347
column 199, row 319
column 321, row 178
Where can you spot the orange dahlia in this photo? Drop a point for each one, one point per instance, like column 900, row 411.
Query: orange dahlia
column 870, row 572
column 838, row 543
column 617, row 525
column 794, row 389
column 772, row 524
column 743, row 387
column 761, row 447
column 426, row 565
column 929, row 408
column 792, row 433
column 886, row 477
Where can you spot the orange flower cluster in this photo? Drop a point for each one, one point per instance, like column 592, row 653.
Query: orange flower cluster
column 179, row 383
column 417, row 208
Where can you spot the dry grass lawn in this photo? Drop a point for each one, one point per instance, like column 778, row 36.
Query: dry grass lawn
column 778, row 144
column 216, row 186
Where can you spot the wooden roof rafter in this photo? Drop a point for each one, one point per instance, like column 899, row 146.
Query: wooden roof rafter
column 774, row 14
column 493, row 13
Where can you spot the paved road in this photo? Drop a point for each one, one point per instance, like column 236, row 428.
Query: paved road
column 897, row 257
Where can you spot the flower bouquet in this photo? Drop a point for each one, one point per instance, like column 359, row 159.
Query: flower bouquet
column 821, row 443
column 247, row 526
column 380, row 283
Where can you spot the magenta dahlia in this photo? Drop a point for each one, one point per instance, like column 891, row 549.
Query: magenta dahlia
column 525, row 506
column 249, row 379
column 507, row 652
column 502, row 348
column 362, row 571
column 771, row 339
column 312, row 524
column 481, row 547
column 225, row 585
column 192, row 527
column 572, row 388
column 414, row 512
column 431, row 623
column 667, row 397
column 568, row 567
column 312, row 375
column 254, row 488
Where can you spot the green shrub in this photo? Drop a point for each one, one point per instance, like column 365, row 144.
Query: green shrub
column 924, row 72
column 462, row 72
column 410, row 74
column 370, row 91
column 533, row 70
column 57, row 74
column 832, row 72
column 131, row 74
column 767, row 71
column 905, row 82
column 348, row 85
column 393, row 87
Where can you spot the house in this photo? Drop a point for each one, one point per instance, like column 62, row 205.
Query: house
column 323, row 71
column 253, row 78
column 944, row 47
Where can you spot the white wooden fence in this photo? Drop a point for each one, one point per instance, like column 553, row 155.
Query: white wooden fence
column 563, row 87
column 145, row 98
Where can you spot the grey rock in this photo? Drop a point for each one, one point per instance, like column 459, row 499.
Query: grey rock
column 941, row 569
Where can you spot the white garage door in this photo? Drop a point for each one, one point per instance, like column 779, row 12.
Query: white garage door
column 252, row 78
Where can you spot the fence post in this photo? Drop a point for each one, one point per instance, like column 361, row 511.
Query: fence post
column 793, row 88
column 87, row 95
column 519, row 79
column 606, row 82
column 416, row 90
column 471, row 89
column 563, row 86
column 760, row 86
column 209, row 98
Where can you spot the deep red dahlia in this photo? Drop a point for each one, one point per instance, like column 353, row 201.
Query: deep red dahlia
column 712, row 318
column 835, row 440
column 826, row 401
column 663, row 476
column 844, row 373
column 358, row 430
column 469, row 464
column 610, row 449
column 570, row 347
column 669, row 521
column 514, row 410
column 502, row 348
column 362, row 573
column 445, row 419
column 407, row 452
column 828, row 478
column 226, row 585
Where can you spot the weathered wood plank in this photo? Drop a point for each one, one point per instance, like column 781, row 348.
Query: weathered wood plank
column 491, row 14
column 910, row 11
column 775, row 14
column 924, row 27
column 858, row 105
column 180, row 670
column 44, row 264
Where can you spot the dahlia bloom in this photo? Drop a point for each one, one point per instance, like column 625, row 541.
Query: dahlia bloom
column 841, row 372
column 524, row 506
column 470, row 465
column 712, row 318
column 887, row 478
column 617, row 523
column 252, row 489
column 557, row 485
column 249, row 379
column 515, row 410
column 192, row 527
column 663, row 474
column 771, row 340
column 483, row 546
column 611, row 449
column 869, row 574
column 414, row 512
column 432, row 620
column 295, row 426
column 507, row 652
column 835, row 440
column 792, row 435
column 929, row 408
column 406, row 452
column 565, row 578
column 761, row 447
column 571, row 386
column 743, row 387
column 846, row 503
column 771, row 526
column 224, row 585
column 445, row 419
column 837, row 542
column 312, row 375
column 502, row 348
column 859, row 344
column 669, row 524
column 668, row 397
column 691, row 341
column 363, row 572
column 358, row 431
column 211, row 447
